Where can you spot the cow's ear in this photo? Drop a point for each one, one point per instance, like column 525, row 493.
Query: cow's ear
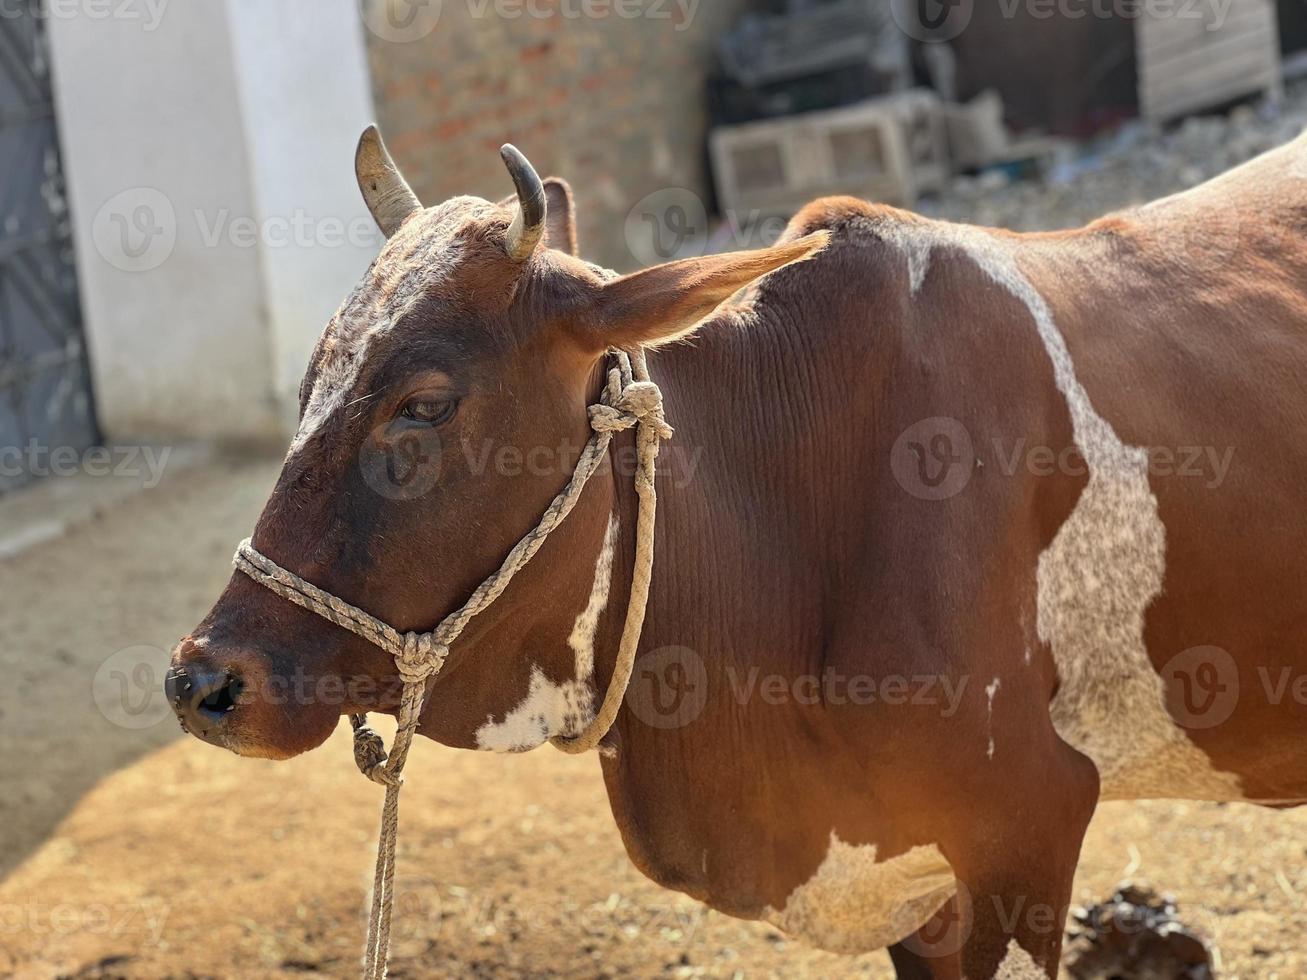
column 560, row 223
column 668, row 301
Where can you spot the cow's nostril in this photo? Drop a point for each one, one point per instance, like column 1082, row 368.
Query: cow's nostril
column 202, row 698
column 225, row 698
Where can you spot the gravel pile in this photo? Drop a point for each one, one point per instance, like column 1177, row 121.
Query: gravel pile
column 1136, row 163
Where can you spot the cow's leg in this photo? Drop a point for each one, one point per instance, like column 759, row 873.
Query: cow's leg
column 911, row 965
column 932, row 952
column 1018, row 869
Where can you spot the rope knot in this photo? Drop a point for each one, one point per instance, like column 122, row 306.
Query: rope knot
column 421, row 657
column 606, row 418
column 639, row 402
column 370, row 754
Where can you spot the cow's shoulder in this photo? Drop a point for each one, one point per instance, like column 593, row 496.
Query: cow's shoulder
column 834, row 287
column 893, row 252
column 867, row 242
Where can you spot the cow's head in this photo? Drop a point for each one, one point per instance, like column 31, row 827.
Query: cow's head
column 443, row 408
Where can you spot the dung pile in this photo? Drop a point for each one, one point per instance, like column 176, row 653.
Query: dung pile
column 1136, row 933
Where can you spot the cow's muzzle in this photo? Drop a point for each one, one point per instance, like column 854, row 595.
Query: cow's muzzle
column 203, row 698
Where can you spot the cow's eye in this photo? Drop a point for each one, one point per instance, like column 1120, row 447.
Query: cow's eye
column 427, row 411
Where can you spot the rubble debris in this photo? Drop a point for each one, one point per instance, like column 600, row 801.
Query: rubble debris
column 1136, row 163
column 976, row 134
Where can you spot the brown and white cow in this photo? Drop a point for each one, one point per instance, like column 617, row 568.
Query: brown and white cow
column 961, row 532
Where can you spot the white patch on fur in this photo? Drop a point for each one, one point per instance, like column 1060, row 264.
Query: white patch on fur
column 582, row 640
column 335, row 380
column 423, row 252
column 1019, row 965
column 854, row 903
column 531, row 723
column 1099, row 575
column 564, row 708
column 990, row 691
column 917, row 249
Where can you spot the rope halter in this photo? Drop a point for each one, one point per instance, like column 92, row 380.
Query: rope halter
column 629, row 400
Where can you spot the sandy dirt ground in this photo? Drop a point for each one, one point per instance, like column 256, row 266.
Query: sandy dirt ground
column 127, row 851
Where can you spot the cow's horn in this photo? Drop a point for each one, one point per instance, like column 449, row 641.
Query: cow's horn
column 387, row 194
column 528, row 225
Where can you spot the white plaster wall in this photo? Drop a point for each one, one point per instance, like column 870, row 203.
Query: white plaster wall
column 216, row 118
column 306, row 95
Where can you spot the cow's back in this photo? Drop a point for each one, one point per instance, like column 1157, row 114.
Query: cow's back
column 1159, row 568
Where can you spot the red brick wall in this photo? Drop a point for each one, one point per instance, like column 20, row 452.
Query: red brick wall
column 615, row 104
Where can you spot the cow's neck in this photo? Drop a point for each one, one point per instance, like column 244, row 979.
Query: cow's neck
column 729, row 607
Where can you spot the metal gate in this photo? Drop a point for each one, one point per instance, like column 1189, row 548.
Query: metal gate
column 45, row 391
